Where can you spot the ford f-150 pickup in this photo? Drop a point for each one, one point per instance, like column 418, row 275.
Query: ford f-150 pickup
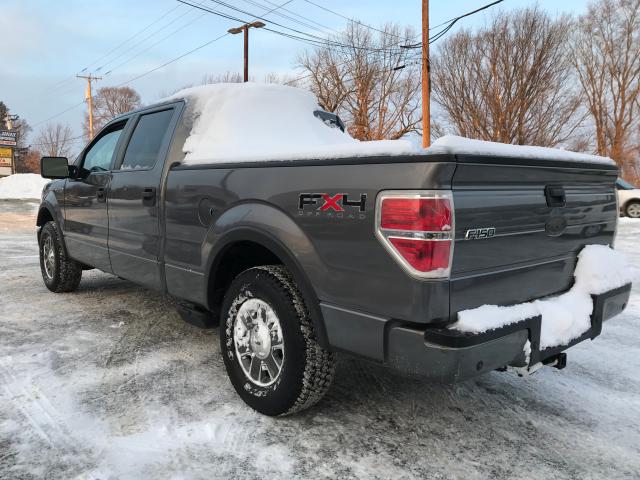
column 296, row 259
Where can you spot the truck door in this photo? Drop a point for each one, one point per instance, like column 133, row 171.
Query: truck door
column 86, row 219
column 134, row 199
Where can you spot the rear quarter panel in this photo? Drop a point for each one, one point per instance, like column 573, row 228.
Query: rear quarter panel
column 345, row 263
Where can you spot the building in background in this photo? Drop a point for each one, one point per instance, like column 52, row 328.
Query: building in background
column 8, row 143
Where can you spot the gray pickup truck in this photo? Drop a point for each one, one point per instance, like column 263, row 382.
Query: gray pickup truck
column 299, row 259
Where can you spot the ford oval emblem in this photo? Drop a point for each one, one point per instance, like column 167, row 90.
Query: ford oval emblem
column 555, row 226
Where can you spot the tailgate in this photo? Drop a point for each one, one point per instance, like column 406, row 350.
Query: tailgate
column 520, row 224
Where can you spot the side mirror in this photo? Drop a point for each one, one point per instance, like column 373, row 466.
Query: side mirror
column 54, row 167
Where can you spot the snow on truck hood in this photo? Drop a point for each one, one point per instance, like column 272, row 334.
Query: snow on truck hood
column 252, row 122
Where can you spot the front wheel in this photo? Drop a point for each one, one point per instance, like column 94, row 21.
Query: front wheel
column 59, row 272
column 269, row 345
column 633, row 210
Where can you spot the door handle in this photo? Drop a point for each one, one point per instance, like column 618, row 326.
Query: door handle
column 149, row 196
column 556, row 196
column 101, row 195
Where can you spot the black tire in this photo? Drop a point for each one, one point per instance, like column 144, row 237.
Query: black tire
column 61, row 274
column 632, row 209
column 306, row 369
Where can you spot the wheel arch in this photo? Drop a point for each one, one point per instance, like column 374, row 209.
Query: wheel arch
column 47, row 213
column 258, row 247
column 628, row 202
column 44, row 216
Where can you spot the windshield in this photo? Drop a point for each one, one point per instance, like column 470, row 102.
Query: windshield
column 624, row 185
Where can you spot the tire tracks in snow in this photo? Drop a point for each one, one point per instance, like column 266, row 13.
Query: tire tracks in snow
column 41, row 416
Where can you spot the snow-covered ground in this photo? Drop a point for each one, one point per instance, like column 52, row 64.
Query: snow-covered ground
column 22, row 186
column 108, row 382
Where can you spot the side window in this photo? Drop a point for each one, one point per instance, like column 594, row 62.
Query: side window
column 144, row 146
column 99, row 156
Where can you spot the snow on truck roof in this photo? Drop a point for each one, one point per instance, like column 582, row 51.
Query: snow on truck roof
column 252, row 122
column 248, row 122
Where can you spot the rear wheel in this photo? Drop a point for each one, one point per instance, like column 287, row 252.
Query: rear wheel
column 269, row 345
column 633, row 209
column 59, row 272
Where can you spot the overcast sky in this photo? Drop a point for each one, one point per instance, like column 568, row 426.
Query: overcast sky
column 45, row 43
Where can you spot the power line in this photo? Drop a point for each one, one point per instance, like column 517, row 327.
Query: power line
column 142, row 41
column 192, row 50
column 306, row 21
column 239, row 10
column 304, row 77
column 173, row 60
column 56, row 86
column 351, row 19
column 124, row 42
column 58, row 114
column 155, row 44
column 313, row 40
column 50, row 90
column 451, row 23
column 398, row 67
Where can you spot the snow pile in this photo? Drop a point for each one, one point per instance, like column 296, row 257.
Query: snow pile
column 22, row 186
column 252, row 122
column 566, row 316
column 452, row 144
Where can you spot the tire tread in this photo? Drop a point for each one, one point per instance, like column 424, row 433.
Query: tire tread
column 312, row 364
column 69, row 272
column 320, row 365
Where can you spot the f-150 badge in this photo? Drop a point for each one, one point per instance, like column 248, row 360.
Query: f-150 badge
column 480, row 233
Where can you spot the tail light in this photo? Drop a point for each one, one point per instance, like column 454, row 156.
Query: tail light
column 417, row 228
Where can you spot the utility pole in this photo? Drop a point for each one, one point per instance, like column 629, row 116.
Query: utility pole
column 89, row 98
column 245, row 29
column 426, row 71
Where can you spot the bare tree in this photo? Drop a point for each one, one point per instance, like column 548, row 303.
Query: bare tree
column 510, row 81
column 3, row 113
column 18, row 124
column 231, row 77
column 276, row 78
column 110, row 102
column 606, row 53
column 367, row 79
column 226, row 77
column 234, row 77
column 29, row 161
column 55, row 140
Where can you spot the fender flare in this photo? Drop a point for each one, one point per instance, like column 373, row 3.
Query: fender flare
column 45, row 206
column 269, row 241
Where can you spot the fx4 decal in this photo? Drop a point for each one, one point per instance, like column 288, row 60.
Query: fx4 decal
column 339, row 205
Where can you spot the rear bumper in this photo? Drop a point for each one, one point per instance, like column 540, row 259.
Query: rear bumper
column 450, row 356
